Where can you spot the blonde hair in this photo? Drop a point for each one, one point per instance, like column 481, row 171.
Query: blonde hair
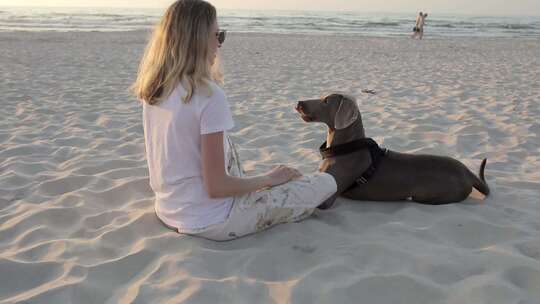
column 178, row 52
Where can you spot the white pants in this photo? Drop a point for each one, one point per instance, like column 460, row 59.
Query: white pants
column 256, row 211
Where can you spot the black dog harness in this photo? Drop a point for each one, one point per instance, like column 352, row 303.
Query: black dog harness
column 376, row 152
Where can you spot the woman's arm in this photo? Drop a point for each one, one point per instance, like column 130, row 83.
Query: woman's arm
column 219, row 184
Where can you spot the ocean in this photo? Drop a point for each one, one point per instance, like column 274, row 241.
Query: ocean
column 286, row 22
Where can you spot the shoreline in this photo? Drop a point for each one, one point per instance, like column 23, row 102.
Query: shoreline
column 428, row 36
column 354, row 22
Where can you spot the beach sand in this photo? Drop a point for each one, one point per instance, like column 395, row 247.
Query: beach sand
column 77, row 222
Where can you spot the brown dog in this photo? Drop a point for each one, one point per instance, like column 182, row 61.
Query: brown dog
column 369, row 173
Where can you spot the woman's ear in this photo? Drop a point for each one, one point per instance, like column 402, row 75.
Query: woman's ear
column 346, row 114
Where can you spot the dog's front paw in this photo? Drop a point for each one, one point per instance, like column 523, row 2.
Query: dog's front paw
column 327, row 204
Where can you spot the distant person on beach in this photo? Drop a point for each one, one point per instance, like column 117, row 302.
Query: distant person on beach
column 194, row 169
column 418, row 30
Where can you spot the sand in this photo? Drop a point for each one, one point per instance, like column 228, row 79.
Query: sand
column 76, row 212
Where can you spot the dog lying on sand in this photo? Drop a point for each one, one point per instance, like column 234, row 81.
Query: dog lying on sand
column 364, row 171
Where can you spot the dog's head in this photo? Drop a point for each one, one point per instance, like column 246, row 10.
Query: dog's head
column 337, row 111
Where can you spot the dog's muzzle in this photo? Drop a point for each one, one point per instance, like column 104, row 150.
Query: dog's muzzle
column 300, row 109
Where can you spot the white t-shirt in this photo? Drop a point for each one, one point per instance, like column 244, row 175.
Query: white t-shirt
column 172, row 132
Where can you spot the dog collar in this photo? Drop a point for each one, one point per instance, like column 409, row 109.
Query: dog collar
column 346, row 148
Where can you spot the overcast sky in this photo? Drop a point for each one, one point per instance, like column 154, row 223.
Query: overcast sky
column 475, row 7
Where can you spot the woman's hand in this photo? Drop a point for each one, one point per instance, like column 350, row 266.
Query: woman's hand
column 281, row 174
column 219, row 184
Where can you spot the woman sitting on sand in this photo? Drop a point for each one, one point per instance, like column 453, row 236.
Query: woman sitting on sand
column 193, row 166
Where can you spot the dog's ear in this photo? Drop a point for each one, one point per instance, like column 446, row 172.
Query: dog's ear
column 346, row 114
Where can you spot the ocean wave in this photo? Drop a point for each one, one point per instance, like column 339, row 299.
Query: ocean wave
column 381, row 24
column 86, row 15
column 481, row 25
column 446, row 25
column 515, row 26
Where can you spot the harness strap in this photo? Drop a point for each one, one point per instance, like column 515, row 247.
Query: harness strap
column 377, row 154
column 375, row 151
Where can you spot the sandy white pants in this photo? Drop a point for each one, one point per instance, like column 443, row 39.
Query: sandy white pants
column 257, row 211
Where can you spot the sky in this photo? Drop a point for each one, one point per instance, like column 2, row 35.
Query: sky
column 473, row 7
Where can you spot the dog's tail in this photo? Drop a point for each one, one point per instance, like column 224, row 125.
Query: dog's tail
column 480, row 184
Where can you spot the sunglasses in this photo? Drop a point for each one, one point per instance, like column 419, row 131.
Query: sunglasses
column 220, row 35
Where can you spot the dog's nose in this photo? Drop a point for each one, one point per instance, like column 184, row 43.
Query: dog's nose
column 300, row 106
